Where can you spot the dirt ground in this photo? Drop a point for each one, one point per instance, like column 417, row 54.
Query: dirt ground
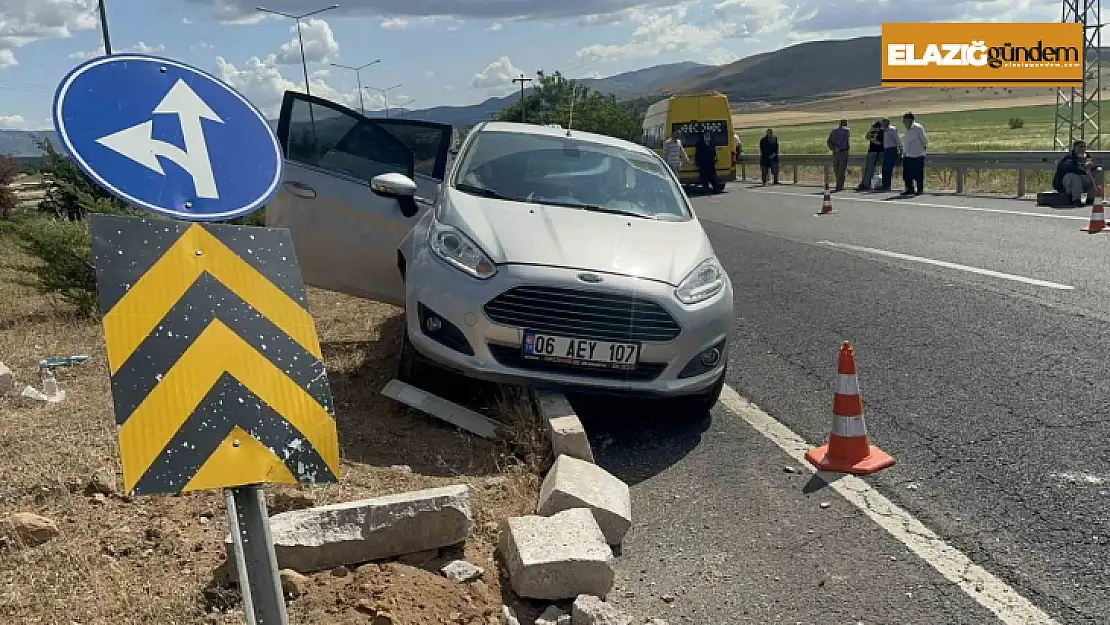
column 890, row 101
column 118, row 560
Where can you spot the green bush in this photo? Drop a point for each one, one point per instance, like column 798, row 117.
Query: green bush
column 1016, row 122
column 63, row 250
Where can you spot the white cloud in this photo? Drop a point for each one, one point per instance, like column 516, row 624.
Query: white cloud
column 145, row 49
column 721, row 56
column 140, row 47
column 99, row 51
column 201, row 45
column 429, row 74
column 186, row 21
column 395, row 23
column 236, row 11
column 497, row 76
column 592, row 75
column 261, row 81
column 668, row 30
column 26, row 21
column 494, row 26
column 320, row 45
column 11, row 121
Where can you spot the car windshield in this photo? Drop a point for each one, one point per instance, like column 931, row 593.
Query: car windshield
column 564, row 171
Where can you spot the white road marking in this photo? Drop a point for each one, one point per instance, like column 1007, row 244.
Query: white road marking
column 1080, row 478
column 948, row 265
column 986, row 589
column 975, row 209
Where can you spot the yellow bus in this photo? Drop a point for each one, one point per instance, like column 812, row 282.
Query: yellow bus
column 688, row 116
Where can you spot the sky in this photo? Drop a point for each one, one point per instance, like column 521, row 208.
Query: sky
column 438, row 51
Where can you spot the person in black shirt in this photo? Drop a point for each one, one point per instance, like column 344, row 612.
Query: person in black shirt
column 769, row 155
column 1073, row 175
column 874, row 156
column 705, row 157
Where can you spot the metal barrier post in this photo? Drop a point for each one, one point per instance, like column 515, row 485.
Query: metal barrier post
column 1021, row 183
column 960, row 173
column 828, row 175
column 795, row 174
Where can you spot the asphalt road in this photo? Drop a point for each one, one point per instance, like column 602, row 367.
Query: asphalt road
column 990, row 389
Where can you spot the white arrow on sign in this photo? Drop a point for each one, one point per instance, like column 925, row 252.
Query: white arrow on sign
column 138, row 143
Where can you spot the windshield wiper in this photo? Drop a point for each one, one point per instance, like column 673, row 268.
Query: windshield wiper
column 484, row 192
column 593, row 208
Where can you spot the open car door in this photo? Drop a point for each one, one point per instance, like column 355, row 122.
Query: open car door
column 345, row 229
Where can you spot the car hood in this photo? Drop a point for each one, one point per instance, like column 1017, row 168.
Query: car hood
column 523, row 233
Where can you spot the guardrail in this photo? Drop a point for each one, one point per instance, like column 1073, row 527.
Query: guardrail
column 1022, row 162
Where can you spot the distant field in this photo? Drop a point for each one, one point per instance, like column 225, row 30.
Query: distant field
column 948, row 132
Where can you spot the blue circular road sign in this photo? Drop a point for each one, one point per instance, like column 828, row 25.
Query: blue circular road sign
column 167, row 137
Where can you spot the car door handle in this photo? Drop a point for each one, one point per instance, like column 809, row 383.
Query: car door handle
column 300, row 189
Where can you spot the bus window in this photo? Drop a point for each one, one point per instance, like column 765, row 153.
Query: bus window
column 691, row 131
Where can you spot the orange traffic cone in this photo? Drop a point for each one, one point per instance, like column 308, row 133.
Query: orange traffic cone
column 849, row 449
column 1098, row 219
column 826, row 203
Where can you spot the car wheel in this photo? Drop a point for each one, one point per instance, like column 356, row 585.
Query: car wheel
column 718, row 187
column 704, row 401
column 412, row 368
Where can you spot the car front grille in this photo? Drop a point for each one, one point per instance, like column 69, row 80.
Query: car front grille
column 511, row 357
column 583, row 314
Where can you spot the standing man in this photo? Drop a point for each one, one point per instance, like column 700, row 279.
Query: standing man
column 769, row 155
column 839, row 143
column 874, row 154
column 675, row 154
column 913, row 163
column 705, row 157
column 891, row 145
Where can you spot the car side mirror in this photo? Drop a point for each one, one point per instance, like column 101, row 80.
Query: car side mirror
column 393, row 185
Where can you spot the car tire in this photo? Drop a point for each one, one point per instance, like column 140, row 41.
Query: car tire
column 718, row 187
column 704, row 401
column 412, row 368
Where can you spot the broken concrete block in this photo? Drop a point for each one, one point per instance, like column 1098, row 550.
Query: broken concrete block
column 461, row 571
column 564, row 427
column 314, row 539
column 553, row 616
column 574, row 483
column 591, row 610
column 7, row 380
column 557, row 557
column 440, row 408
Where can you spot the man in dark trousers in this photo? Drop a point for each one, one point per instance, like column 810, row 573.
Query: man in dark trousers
column 705, row 157
column 769, row 156
column 1073, row 175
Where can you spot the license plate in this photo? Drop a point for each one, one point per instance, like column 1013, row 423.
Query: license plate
column 586, row 353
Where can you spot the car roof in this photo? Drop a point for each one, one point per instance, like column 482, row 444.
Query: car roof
column 556, row 131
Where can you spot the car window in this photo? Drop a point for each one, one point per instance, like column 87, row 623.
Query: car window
column 330, row 138
column 429, row 143
column 571, row 172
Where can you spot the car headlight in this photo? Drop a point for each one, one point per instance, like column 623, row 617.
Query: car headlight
column 705, row 281
column 457, row 250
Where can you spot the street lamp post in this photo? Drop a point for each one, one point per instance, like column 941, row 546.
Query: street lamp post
column 300, row 39
column 358, row 76
column 385, row 98
column 404, row 104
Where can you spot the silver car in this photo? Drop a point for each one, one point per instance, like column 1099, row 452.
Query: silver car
column 541, row 257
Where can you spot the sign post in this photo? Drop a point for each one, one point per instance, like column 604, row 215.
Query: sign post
column 217, row 375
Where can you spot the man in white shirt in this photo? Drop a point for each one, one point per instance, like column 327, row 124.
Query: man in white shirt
column 675, row 154
column 913, row 160
column 891, row 145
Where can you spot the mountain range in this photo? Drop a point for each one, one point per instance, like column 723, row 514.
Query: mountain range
column 802, row 72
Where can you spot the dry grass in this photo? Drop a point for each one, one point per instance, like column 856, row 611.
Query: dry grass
column 148, row 560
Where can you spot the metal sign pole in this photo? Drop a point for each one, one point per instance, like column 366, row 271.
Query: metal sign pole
column 255, row 560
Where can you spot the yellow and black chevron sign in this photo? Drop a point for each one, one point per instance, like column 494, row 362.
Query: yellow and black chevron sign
column 217, row 375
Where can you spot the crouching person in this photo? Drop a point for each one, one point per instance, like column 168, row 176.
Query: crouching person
column 1075, row 175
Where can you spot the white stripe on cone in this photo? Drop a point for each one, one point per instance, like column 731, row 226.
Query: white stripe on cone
column 847, row 384
column 849, row 427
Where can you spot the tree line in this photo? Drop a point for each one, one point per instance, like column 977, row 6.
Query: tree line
column 554, row 97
